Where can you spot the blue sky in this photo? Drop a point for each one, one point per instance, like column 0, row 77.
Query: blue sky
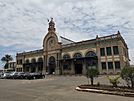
column 23, row 23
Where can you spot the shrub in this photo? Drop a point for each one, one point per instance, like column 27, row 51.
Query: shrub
column 114, row 80
column 92, row 73
column 128, row 75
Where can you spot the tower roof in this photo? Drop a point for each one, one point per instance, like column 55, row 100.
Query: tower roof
column 51, row 25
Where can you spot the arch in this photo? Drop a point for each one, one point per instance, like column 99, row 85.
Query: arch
column 27, row 61
column 90, row 54
column 52, row 59
column 52, row 65
column 78, row 65
column 40, row 64
column 33, row 68
column 66, row 56
column 33, row 60
column 91, row 59
column 40, row 59
column 66, row 64
column 47, row 37
column 77, row 55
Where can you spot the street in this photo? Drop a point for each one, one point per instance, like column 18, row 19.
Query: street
column 52, row 88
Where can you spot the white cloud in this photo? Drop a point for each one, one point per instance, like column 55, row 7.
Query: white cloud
column 23, row 23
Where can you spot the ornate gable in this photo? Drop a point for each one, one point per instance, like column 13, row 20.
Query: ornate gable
column 50, row 41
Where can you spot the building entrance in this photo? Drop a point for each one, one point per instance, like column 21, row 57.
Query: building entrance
column 52, row 65
column 77, row 63
column 33, row 69
column 78, row 67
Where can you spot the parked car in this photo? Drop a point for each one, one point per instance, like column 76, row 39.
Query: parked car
column 27, row 75
column 1, row 74
column 5, row 76
column 14, row 75
column 21, row 75
column 37, row 75
column 18, row 75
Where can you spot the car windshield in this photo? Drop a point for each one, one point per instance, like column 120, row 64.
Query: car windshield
column 21, row 73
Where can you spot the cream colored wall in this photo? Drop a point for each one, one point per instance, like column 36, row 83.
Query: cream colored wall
column 33, row 57
column 30, row 57
column 83, row 52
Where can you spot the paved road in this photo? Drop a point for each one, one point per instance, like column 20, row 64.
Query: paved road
column 52, row 88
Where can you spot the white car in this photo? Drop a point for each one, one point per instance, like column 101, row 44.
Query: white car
column 5, row 76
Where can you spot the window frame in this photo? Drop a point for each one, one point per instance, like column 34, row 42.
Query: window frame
column 101, row 52
column 109, row 65
column 116, row 65
column 102, row 64
column 115, row 50
column 109, row 52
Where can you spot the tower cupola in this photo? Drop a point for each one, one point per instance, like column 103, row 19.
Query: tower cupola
column 51, row 26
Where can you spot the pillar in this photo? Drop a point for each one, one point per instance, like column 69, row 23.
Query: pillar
column 84, row 67
column 44, row 65
column 72, row 68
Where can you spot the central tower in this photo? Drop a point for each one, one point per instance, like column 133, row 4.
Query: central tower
column 51, row 26
column 51, row 50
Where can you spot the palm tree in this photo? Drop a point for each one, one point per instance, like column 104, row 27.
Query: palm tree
column 6, row 59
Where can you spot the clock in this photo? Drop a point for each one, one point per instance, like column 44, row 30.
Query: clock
column 52, row 42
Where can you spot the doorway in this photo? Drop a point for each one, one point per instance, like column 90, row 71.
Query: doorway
column 78, row 67
column 52, row 65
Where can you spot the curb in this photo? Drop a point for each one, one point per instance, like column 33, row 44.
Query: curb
column 125, row 94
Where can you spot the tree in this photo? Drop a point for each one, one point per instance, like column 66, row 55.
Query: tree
column 128, row 75
column 92, row 73
column 114, row 80
column 6, row 59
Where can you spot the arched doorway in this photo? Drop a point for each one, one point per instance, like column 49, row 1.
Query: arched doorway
column 66, row 62
column 78, row 63
column 52, row 65
column 26, row 66
column 40, row 64
column 33, row 66
column 91, row 59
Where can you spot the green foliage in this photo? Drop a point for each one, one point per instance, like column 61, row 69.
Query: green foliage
column 6, row 66
column 92, row 73
column 114, row 80
column 128, row 75
column 6, row 59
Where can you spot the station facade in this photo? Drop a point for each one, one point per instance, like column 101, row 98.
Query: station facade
column 60, row 55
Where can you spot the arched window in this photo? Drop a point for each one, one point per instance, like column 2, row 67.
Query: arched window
column 66, row 65
column 51, row 59
column 77, row 55
column 91, row 54
column 40, row 59
column 52, row 65
column 33, row 60
column 91, row 59
column 27, row 60
column 66, row 56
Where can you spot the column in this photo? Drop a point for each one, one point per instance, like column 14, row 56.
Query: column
column 36, row 68
column 99, row 57
column 84, row 67
column 72, row 67
column 106, row 61
column 114, row 71
column 57, row 71
column 30, row 69
column 44, row 64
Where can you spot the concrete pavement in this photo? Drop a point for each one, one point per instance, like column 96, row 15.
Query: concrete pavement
column 52, row 88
